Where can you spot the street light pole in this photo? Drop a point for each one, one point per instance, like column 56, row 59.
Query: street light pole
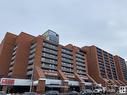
column 32, row 76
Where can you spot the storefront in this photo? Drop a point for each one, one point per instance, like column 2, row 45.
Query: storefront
column 15, row 85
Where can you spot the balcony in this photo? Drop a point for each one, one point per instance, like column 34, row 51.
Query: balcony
column 80, row 56
column 33, row 46
column 31, row 56
column 67, row 51
column 67, row 65
column 31, row 61
column 10, row 73
column 50, row 46
column 11, row 68
column 80, row 64
column 81, row 68
column 49, row 51
column 48, row 61
column 13, row 58
column 49, row 56
column 30, row 67
column 13, row 53
column 12, row 63
column 32, row 51
column 81, row 72
column 64, row 69
column 80, row 60
column 49, row 66
column 29, row 72
column 15, row 48
column 67, row 56
column 66, row 60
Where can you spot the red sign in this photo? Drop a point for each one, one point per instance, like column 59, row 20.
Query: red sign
column 7, row 81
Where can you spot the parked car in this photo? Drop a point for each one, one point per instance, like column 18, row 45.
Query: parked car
column 2, row 93
column 73, row 93
column 86, row 92
column 98, row 90
column 122, row 89
column 52, row 93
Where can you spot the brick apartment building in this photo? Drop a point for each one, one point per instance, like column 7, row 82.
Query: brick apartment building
column 121, row 68
column 42, row 58
column 53, row 66
column 103, row 67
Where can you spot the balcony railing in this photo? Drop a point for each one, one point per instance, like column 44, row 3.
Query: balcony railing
column 33, row 46
column 67, row 65
column 50, row 46
column 50, row 51
column 33, row 50
column 29, row 72
column 80, row 64
column 67, row 56
column 49, row 56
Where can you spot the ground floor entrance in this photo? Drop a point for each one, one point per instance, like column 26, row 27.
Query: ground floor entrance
column 74, row 88
column 20, row 89
column 52, row 89
column 0, row 88
column 16, row 89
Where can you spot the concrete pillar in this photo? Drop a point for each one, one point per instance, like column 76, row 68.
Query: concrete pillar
column 65, row 88
column 41, row 86
column 4, row 88
column 82, row 86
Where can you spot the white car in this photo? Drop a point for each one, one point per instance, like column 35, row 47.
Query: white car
column 2, row 93
column 98, row 91
column 86, row 92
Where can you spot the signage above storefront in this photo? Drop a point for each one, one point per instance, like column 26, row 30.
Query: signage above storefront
column 5, row 81
column 15, row 82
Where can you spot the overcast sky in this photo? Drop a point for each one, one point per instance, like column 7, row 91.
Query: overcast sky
column 81, row 22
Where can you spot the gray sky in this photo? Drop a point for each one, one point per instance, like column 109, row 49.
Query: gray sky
column 81, row 22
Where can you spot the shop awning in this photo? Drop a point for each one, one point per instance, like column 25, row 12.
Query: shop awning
column 55, row 86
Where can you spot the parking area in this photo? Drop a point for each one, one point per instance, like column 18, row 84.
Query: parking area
column 56, row 93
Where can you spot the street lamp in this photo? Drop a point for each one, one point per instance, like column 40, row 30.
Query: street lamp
column 32, row 77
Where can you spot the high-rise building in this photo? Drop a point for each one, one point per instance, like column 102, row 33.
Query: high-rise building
column 43, row 60
column 42, row 64
column 101, row 66
column 121, row 68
